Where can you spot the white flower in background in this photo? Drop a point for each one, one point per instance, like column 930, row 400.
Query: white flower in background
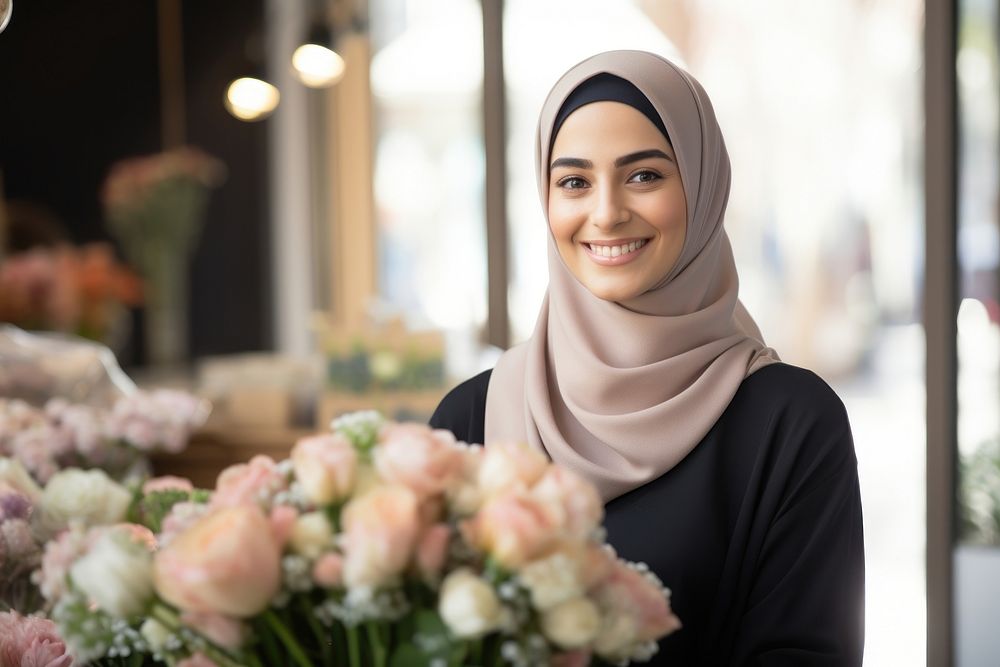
column 14, row 475
column 469, row 606
column 312, row 534
column 89, row 496
column 572, row 624
column 117, row 572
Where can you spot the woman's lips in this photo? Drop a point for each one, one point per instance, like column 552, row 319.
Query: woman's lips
column 595, row 253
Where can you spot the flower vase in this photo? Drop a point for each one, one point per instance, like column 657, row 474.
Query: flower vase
column 166, row 306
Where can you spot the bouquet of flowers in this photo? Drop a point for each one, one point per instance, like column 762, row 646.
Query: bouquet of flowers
column 154, row 205
column 382, row 544
column 64, row 434
column 81, row 290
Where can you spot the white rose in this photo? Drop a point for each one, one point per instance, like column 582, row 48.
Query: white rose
column 311, row 535
column 572, row 624
column 14, row 474
column 616, row 637
column 552, row 580
column 469, row 606
column 155, row 633
column 117, row 572
column 89, row 496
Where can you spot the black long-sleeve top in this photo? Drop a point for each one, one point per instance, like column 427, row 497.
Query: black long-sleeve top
column 757, row 531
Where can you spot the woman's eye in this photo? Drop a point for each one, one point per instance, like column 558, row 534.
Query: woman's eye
column 572, row 183
column 645, row 176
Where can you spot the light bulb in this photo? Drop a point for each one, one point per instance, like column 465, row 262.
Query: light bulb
column 317, row 66
column 251, row 99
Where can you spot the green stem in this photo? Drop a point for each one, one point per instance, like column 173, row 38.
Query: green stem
column 375, row 641
column 322, row 636
column 298, row 655
column 477, row 652
column 353, row 650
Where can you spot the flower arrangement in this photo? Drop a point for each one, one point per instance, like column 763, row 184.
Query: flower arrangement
column 82, row 290
column 63, row 434
column 154, row 205
column 382, row 544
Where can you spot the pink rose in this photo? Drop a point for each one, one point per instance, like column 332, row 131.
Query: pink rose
column 328, row 571
column 166, row 483
column 508, row 465
column 248, row 483
column 432, row 550
column 574, row 503
column 579, row 658
column 197, row 659
column 645, row 602
column 514, row 528
column 226, row 563
column 466, row 497
column 29, row 641
column 326, row 467
column 181, row 517
column 282, row 521
column 380, row 531
column 426, row 460
column 222, row 630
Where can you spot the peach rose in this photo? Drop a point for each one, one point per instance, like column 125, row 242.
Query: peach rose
column 326, row 467
column 283, row 518
column 514, row 528
column 248, row 483
column 636, row 595
column 329, row 570
column 380, row 530
column 166, row 483
column 465, row 497
column 425, row 460
column 226, row 563
column 222, row 630
column 432, row 550
column 574, row 503
column 508, row 464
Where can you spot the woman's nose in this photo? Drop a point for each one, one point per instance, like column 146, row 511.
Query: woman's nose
column 609, row 209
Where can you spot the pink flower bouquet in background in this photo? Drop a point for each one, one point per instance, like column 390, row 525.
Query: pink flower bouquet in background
column 64, row 434
column 154, row 205
column 378, row 544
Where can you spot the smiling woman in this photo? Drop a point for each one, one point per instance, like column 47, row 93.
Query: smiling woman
column 731, row 474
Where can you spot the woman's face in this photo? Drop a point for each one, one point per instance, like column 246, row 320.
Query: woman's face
column 616, row 203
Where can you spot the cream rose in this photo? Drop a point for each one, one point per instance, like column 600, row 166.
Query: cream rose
column 117, row 572
column 227, row 563
column 469, row 606
column 572, row 624
column 14, row 474
column 380, row 533
column 326, row 467
column 89, row 496
column 312, row 534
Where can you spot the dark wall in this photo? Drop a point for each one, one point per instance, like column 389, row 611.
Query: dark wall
column 79, row 89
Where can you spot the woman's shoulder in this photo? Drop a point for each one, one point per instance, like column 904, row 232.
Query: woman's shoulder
column 807, row 424
column 463, row 409
column 784, row 387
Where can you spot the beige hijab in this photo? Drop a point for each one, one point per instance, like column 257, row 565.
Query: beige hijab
column 622, row 392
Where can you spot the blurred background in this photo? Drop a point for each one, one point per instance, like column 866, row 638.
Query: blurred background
column 303, row 206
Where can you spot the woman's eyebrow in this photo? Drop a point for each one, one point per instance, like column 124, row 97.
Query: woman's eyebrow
column 641, row 155
column 574, row 162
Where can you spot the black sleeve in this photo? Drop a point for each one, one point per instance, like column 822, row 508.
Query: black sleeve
column 806, row 596
column 463, row 410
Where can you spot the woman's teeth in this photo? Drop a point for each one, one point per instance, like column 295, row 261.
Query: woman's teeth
column 616, row 250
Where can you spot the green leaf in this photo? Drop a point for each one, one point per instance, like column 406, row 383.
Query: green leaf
column 408, row 655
